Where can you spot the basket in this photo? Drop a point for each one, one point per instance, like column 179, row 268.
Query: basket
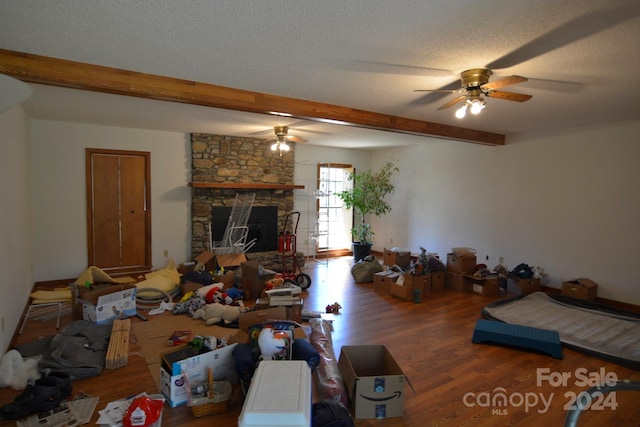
column 217, row 400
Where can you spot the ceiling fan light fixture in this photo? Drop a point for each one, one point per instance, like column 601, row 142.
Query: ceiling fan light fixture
column 461, row 112
column 476, row 105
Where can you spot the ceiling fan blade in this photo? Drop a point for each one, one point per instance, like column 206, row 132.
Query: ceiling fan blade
column 296, row 139
column 509, row 96
column 392, row 68
column 506, row 81
column 440, row 93
column 439, row 90
column 453, row 102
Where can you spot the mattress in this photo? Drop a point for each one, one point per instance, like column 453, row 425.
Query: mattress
column 601, row 331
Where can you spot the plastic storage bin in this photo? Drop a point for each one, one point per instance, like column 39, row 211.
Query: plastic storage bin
column 279, row 395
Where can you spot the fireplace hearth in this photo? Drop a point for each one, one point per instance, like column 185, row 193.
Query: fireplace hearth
column 263, row 226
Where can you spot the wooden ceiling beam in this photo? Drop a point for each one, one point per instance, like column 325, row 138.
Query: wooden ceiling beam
column 63, row 73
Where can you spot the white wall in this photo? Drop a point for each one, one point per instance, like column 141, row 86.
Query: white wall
column 58, row 193
column 568, row 202
column 16, row 277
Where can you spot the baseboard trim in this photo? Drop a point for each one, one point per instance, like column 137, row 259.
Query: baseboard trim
column 611, row 303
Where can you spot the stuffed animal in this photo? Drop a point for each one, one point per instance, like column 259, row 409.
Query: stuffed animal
column 272, row 283
column 216, row 313
column 333, row 308
column 270, row 343
column 215, row 293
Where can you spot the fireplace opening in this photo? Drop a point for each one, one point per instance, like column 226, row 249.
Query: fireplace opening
column 262, row 223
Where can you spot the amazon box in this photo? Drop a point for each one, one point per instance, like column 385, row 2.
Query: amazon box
column 374, row 381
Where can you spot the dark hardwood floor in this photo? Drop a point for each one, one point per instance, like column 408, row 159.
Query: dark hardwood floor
column 453, row 380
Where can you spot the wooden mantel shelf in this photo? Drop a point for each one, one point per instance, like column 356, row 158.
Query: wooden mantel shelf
column 247, row 186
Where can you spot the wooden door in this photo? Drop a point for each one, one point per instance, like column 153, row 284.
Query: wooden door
column 119, row 210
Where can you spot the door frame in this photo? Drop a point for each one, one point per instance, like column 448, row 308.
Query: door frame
column 89, row 153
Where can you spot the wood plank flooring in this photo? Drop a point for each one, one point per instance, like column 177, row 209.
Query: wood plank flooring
column 454, row 382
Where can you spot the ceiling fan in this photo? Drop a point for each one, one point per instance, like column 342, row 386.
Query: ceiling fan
column 280, row 145
column 476, row 86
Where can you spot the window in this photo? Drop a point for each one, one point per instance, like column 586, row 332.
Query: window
column 334, row 220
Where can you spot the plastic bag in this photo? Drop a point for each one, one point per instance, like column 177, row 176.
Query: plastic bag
column 365, row 269
column 15, row 372
column 328, row 378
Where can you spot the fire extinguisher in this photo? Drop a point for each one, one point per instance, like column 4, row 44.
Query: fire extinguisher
column 281, row 242
column 287, row 242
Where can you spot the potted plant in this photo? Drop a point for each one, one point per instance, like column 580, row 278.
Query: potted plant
column 367, row 198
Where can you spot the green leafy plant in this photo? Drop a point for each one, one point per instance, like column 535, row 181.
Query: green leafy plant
column 367, row 197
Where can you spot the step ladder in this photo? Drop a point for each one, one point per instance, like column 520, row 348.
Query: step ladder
column 234, row 240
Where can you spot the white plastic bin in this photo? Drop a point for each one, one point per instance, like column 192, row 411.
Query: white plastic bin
column 279, row 395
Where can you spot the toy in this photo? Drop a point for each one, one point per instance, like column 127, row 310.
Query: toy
column 271, row 343
column 216, row 313
column 272, row 283
column 215, row 293
column 334, row 308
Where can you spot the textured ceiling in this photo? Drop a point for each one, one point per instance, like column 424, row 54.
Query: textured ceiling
column 581, row 57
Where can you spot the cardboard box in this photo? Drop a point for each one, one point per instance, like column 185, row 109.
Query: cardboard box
column 437, row 281
column 227, row 279
column 294, row 310
column 487, row 286
column 207, row 259
column 279, row 395
column 583, row 288
column 523, row 286
column 374, row 381
column 456, row 282
column 382, row 281
column 187, row 287
column 254, row 279
column 251, row 318
column 411, row 288
column 400, row 258
column 461, row 264
column 233, row 260
column 186, row 267
column 104, row 305
column 175, row 378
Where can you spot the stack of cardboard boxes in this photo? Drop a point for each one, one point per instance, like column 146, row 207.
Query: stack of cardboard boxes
column 460, row 268
column 405, row 286
column 457, row 266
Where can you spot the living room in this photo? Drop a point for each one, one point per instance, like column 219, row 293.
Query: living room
column 539, row 203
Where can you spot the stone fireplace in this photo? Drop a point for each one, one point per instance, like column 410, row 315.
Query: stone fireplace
column 224, row 165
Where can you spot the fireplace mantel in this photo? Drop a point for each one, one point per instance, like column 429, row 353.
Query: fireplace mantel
column 247, row 186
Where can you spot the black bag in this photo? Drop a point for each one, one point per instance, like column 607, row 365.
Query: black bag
column 201, row 277
column 330, row 414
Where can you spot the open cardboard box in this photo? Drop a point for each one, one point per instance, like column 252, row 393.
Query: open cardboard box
column 374, row 380
column 254, row 280
column 583, row 288
column 260, row 316
column 176, row 376
column 104, row 303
